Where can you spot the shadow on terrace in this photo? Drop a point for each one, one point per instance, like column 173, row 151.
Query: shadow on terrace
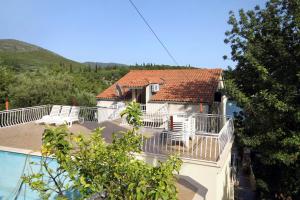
column 195, row 136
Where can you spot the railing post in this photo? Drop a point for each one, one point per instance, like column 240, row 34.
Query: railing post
column 22, row 115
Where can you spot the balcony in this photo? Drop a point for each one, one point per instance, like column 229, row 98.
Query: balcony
column 194, row 136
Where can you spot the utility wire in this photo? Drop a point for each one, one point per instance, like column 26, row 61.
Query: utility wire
column 162, row 44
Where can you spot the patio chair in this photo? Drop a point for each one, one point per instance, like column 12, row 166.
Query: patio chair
column 191, row 126
column 65, row 111
column 55, row 110
column 73, row 117
column 178, row 130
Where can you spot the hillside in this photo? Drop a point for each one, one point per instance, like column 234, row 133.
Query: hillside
column 21, row 54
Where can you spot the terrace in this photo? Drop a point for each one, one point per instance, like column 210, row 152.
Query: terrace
column 195, row 136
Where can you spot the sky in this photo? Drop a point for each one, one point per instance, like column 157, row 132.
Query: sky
column 112, row 31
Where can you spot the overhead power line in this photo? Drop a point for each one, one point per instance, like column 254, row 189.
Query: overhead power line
column 151, row 29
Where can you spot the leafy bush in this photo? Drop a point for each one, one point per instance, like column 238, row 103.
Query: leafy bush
column 91, row 166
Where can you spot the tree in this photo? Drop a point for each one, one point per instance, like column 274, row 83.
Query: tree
column 92, row 167
column 31, row 89
column 71, row 68
column 265, row 45
column 133, row 115
column 6, row 77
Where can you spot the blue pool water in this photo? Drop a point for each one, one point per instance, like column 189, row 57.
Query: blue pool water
column 12, row 167
column 11, row 170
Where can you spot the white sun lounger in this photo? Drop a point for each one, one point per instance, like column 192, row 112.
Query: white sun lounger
column 73, row 117
column 55, row 110
column 65, row 110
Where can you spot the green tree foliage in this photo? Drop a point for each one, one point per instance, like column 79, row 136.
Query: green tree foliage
column 133, row 115
column 93, row 167
column 61, row 83
column 6, row 78
column 53, row 85
column 265, row 45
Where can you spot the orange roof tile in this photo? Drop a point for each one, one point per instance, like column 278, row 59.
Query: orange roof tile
column 176, row 85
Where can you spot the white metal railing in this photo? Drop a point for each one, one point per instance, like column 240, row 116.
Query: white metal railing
column 22, row 115
column 200, row 140
column 225, row 135
column 89, row 114
column 143, row 107
column 154, row 108
column 201, row 147
column 155, row 120
column 209, row 123
column 153, row 116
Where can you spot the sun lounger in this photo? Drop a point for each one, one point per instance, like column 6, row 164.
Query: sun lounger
column 55, row 110
column 65, row 111
column 73, row 117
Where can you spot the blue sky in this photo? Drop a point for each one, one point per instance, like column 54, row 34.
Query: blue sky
column 111, row 30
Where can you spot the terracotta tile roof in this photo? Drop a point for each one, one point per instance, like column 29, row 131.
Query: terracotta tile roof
column 176, row 85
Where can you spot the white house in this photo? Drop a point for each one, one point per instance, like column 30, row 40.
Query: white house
column 184, row 90
column 193, row 123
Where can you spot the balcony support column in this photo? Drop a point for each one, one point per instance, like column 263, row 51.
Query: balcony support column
column 223, row 108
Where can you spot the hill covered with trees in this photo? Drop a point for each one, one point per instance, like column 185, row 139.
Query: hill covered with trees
column 102, row 64
column 31, row 75
column 24, row 55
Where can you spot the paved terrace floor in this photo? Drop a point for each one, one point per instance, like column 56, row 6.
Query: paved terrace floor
column 29, row 136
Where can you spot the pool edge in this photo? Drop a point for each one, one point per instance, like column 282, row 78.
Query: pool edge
column 18, row 150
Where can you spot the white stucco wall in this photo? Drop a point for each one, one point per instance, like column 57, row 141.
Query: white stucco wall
column 212, row 180
column 104, row 111
column 191, row 108
column 148, row 93
column 177, row 107
column 223, row 99
column 224, row 190
column 106, row 103
column 221, row 83
column 172, row 107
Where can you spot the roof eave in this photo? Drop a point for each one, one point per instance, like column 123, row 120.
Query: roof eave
column 179, row 102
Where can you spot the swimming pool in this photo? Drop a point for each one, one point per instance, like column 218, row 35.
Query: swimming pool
column 12, row 167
